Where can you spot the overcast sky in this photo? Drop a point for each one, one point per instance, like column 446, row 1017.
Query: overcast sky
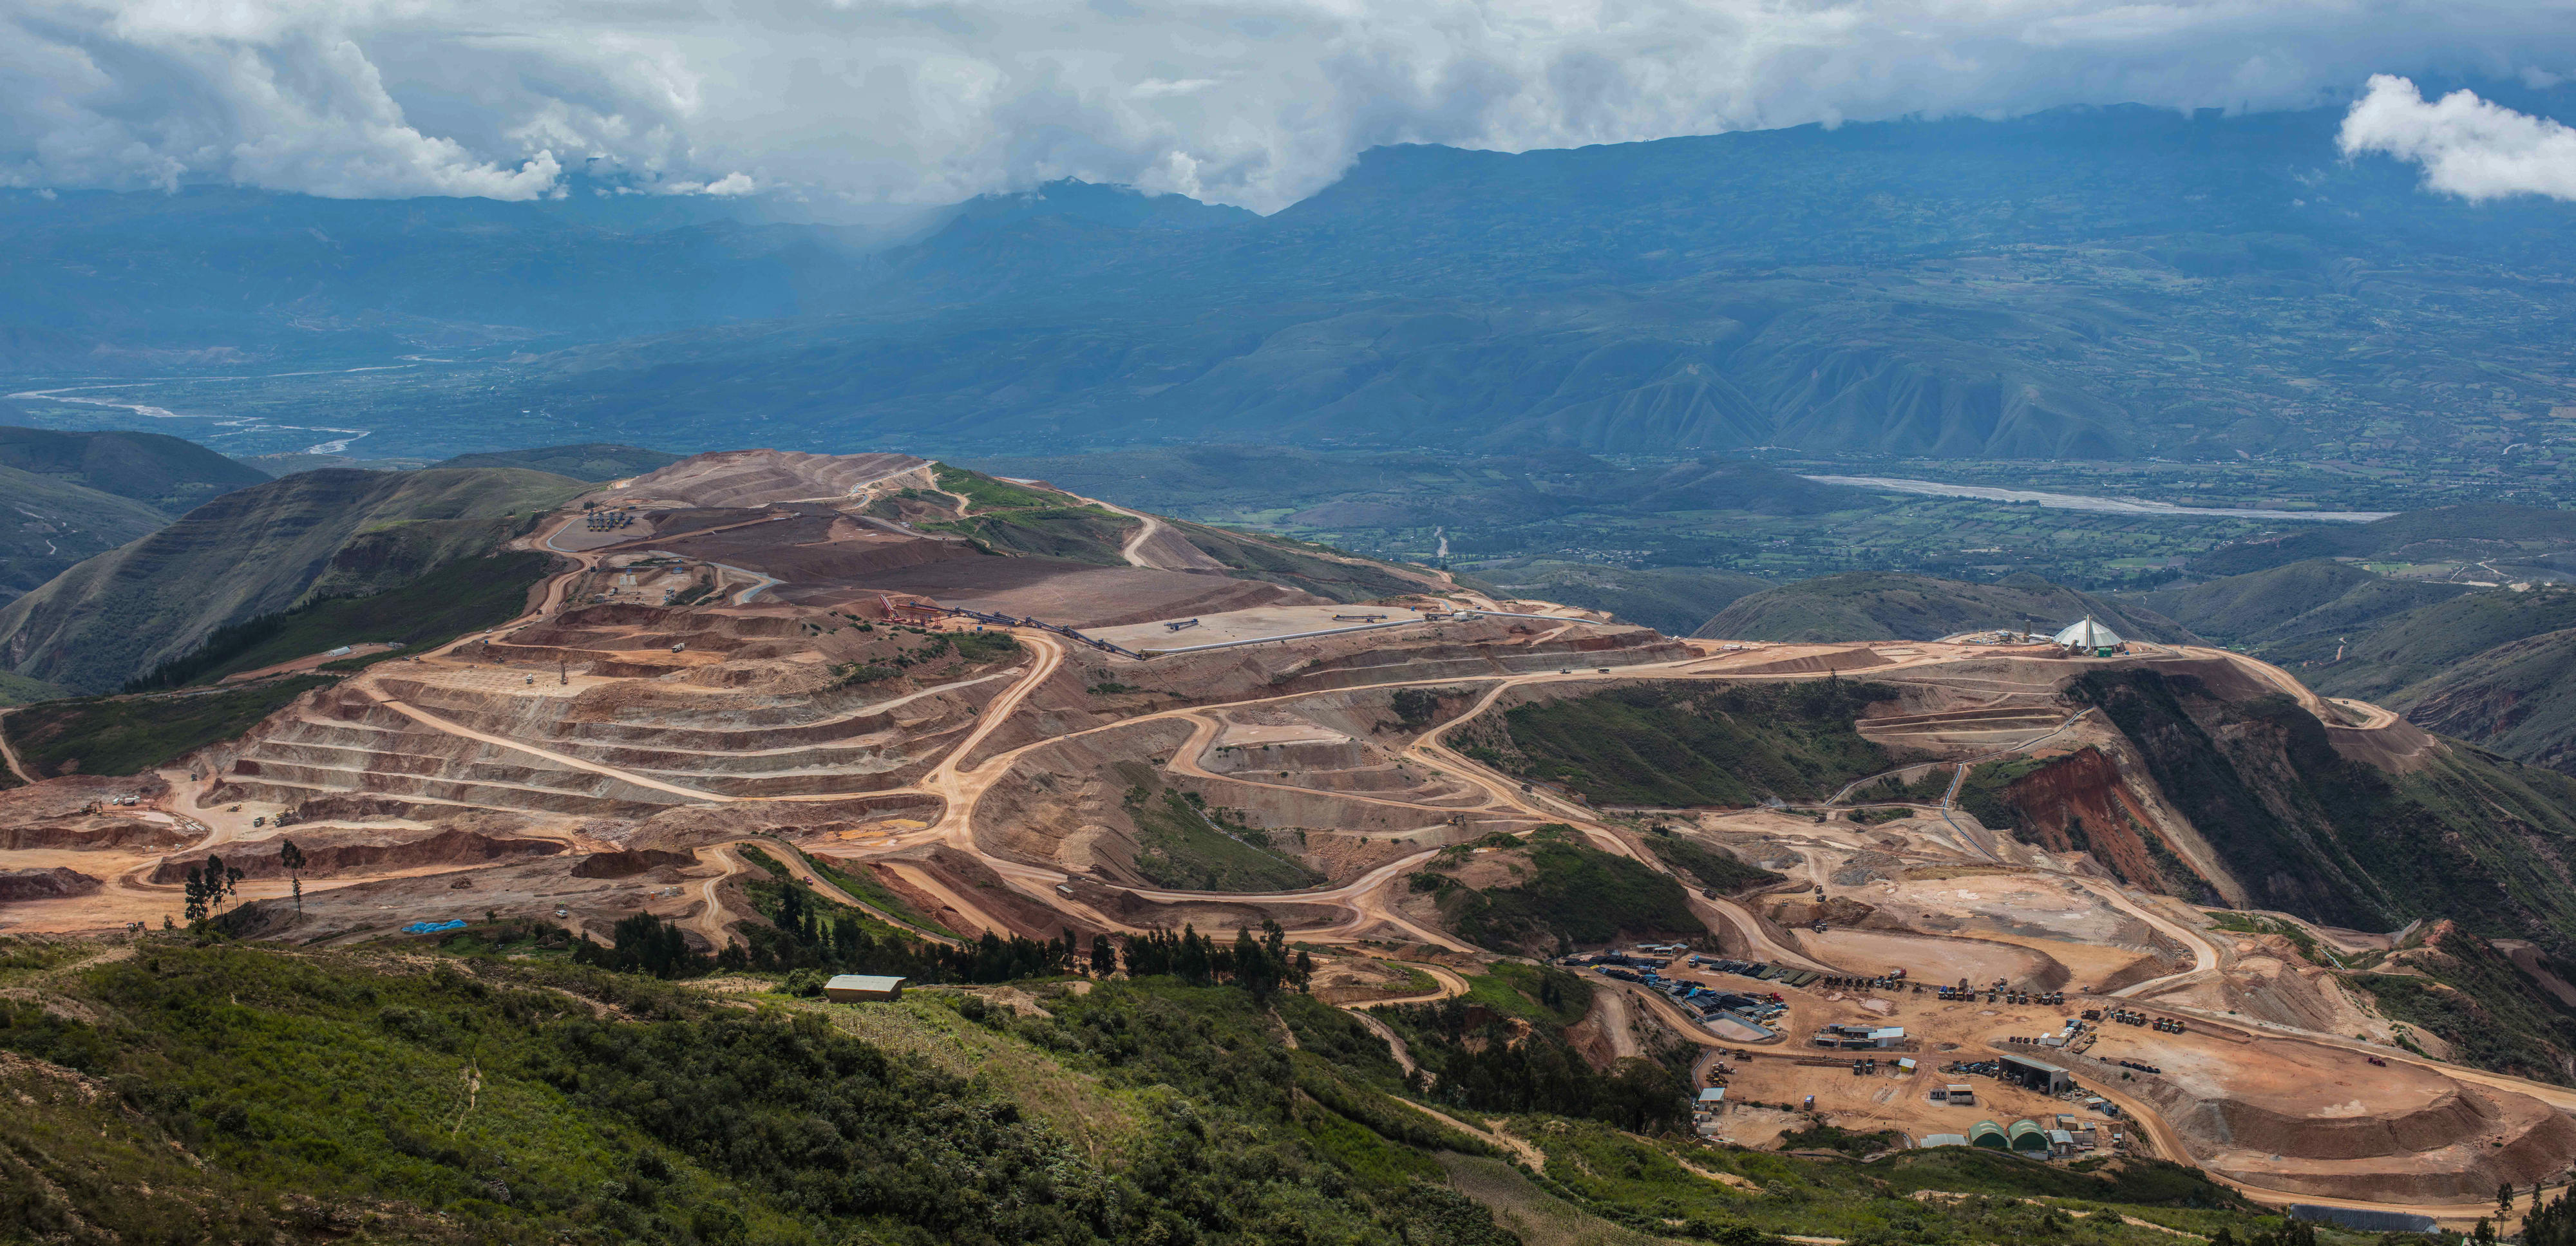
column 1251, row 102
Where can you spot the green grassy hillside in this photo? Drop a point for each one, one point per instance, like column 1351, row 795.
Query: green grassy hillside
column 462, row 596
column 2410, row 648
column 129, row 735
column 2307, row 604
column 258, row 551
column 20, row 690
column 2518, row 699
column 1872, row 605
column 1567, row 893
column 166, row 473
column 1186, row 845
column 56, row 523
column 1689, row 744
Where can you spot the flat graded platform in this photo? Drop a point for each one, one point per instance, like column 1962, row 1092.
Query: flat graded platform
column 2286, row 1114
column 1077, row 594
column 1257, row 623
column 2034, row 906
column 1927, row 958
column 575, row 537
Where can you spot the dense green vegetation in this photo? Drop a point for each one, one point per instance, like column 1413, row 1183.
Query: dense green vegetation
column 1711, row 868
column 1692, row 744
column 2491, row 1013
column 1184, row 844
column 129, row 735
column 865, row 886
column 1927, row 788
column 1569, row 893
column 1478, row 1064
column 438, row 607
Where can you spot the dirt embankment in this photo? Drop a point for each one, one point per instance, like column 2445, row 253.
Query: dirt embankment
column 630, row 864
column 53, row 884
column 364, row 852
column 97, row 833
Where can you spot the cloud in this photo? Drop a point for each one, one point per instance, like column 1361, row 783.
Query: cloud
column 1253, row 102
column 2468, row 146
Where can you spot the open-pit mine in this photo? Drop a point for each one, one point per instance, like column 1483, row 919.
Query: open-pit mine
column 824, row 659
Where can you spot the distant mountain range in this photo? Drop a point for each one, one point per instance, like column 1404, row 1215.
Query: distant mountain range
column 2088, row 283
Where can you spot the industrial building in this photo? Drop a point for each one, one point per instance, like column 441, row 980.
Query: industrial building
column 850, row 988
column 1989, row 1135
column 2047, row 1079
column 2028, row 1136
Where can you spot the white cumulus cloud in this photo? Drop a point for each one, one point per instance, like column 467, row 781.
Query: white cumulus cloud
column 2468, row 146
column 1254, row 102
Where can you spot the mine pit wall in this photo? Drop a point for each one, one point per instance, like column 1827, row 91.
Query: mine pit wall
column 354, row 745
column 95, row 834
column 723, row 762
column 688, row 827
column 2163, row 955
column 326, row 859
column 1053, row 792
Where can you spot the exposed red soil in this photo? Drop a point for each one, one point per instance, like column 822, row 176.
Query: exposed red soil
column 2080, row 803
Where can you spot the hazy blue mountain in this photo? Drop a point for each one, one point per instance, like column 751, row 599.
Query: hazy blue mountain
column 595, row 461
column 2086, row 283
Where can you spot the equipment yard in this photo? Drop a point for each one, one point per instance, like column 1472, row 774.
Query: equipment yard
column 606, row 755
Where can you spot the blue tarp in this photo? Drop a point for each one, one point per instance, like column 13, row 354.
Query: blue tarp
column 432, row 927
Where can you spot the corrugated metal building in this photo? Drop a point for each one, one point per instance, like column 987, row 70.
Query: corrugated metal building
column 860, row 987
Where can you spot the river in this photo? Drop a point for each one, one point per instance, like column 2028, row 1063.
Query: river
column 2107, row 506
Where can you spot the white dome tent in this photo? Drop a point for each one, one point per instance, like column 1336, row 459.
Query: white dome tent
column 2085, row 635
